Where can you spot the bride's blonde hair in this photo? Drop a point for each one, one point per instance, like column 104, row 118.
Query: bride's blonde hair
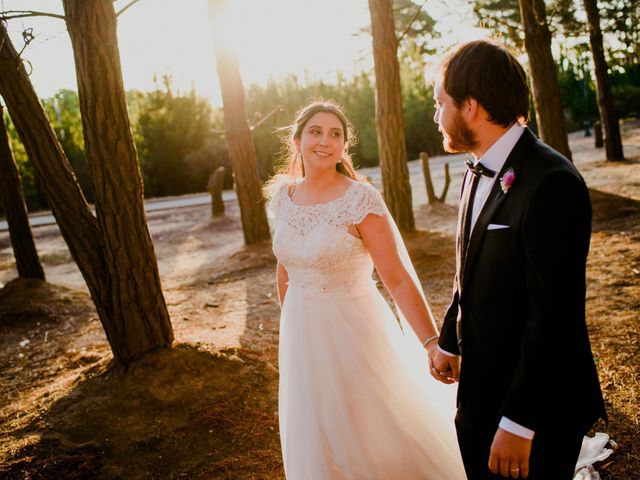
column 292, row 164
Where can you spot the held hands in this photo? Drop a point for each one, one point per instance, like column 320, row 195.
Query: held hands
column 509, row 455
column 443, row 367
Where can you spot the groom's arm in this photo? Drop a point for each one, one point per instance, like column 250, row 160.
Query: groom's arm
column 448, row 342
column 556, row 241
column 445, row 360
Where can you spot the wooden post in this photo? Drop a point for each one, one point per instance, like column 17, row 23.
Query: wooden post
column 431, row 196
column 216, row 180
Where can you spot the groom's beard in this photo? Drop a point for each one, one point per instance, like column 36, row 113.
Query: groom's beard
column 458, row 137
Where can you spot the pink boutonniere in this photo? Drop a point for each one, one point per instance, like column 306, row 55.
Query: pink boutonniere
column 507, row 180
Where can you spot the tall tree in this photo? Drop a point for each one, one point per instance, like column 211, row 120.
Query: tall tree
column 611, row 127
column 242, row 151
column 546, row 91
column 389, row 115
column 113, row 251
column 139, row 316
column 24, row 247
column 502, row 17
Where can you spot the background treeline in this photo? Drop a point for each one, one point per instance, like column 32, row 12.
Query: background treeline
column 180, row 138
column 619, row 20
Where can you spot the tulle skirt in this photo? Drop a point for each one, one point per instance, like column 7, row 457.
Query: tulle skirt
column 356, row 400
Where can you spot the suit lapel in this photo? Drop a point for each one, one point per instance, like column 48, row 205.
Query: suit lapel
column 494, row 200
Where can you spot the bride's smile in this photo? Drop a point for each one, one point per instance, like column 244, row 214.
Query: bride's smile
column 322, row 143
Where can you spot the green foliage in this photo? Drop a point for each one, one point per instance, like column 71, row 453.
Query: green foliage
column 175, row 142
column 33, row 197
column 63, row 111
column 626, row 91
column 421, row 132
column 413, row 20
column 619, row 19
column 578, row 94
column 180, row 138
column 502, row 18
column 563, row 15
column 357, row 96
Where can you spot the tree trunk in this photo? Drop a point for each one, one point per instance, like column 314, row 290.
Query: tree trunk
column 15, row 208
column 55, row 176
column 612, row 139
column 242, row 152
column 138, row 319
column 78, row 225
column 389, row 117
column 546, row 91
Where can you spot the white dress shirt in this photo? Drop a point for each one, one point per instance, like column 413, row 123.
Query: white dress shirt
column 494, row 158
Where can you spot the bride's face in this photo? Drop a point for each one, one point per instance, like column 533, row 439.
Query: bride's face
column 322, row 142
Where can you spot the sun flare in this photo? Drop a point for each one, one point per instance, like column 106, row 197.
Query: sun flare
column 274, row 39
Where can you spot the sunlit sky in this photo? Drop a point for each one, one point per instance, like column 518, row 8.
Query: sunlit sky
column 310, row 38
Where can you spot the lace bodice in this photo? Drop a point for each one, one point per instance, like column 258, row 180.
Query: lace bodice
column 314, row 244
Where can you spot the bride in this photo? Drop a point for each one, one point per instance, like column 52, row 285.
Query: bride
column 355, row 397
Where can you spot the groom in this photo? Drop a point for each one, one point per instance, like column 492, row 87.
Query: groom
column 514, row 335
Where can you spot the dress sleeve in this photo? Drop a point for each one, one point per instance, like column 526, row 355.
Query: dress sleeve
column 365, row 200
column 275, row 203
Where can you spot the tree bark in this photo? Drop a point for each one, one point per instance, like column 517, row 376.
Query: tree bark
column 612, row 139
column 79, row 227
column 546, row 90
column 138, row 320
column 77, row 224
column 242, row 152
column 389, row 116
column 15, row 208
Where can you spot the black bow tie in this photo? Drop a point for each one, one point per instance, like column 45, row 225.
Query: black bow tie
column 479, row 169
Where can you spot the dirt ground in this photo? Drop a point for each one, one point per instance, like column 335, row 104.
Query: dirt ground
column 207, row 409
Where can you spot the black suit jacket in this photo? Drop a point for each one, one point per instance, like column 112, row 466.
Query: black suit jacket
column 518, row 311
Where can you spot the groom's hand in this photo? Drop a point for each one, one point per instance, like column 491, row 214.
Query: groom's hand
column 509, row 455
column 443, row 367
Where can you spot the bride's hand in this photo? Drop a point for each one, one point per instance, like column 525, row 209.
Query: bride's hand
column 444, row 368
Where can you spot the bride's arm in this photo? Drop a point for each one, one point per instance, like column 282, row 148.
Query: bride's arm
column 282, row 280
column 379, row 240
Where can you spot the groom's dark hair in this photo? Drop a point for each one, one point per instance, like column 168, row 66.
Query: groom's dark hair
column 492, row 75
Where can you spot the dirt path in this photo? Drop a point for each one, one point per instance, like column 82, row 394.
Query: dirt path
column 207, row 408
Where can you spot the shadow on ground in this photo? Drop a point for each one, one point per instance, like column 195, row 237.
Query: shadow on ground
column 179, row 413
column 613, row 212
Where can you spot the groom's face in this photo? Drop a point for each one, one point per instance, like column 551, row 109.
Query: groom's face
column 456, row 134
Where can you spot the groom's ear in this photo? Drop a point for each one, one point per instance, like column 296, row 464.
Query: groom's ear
column 470, row 109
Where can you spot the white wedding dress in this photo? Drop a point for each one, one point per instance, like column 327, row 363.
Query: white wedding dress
column 355, row 397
